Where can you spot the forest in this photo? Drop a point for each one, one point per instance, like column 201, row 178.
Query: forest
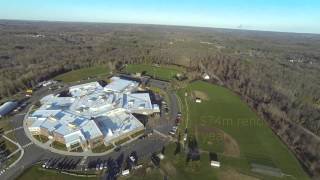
column 277, row 74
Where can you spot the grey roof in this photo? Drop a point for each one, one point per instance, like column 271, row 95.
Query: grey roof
column 7, row 107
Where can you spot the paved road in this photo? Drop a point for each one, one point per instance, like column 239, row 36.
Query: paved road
column 143, row 147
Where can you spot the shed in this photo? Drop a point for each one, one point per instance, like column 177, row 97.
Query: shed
column 205, row 76
column 125, row 172
column 214, row 162
column 198, row 100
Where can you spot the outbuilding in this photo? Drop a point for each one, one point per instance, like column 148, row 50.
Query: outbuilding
column 7, row 107
column 214, row 162
column 205, row 76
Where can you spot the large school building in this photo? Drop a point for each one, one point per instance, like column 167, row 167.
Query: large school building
column 91, row 114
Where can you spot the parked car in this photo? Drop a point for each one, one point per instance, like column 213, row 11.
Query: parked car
column 118, row 148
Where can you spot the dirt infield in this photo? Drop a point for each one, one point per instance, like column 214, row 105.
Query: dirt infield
column 201, row 95
column 230, row 145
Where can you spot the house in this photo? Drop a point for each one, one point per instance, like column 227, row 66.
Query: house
column 214, row 162
column 198, row 100
column 205, row 76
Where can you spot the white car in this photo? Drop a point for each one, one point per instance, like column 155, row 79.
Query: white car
column 172, row 132
column 101, row 166
column 132, row 158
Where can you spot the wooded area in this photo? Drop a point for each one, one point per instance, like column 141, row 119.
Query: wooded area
column 276, row 73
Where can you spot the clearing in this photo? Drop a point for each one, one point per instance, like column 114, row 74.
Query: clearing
column 166, row 73
column 83, row 74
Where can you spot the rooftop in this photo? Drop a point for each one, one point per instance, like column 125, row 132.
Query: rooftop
column 92, row 111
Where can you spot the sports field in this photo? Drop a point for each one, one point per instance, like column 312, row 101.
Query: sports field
column 81, row 74
column 164, row 73
column 224, row 124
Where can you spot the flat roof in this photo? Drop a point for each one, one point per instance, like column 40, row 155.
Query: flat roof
column 137, row 101
column 120, row 85
column 92, row 111
column 117, row 122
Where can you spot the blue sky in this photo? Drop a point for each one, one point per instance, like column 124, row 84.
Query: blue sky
column 271, row 15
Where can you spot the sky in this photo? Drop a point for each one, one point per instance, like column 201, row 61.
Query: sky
column 302, row 16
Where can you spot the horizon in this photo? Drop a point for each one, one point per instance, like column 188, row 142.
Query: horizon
column 272, row 16
column 168, row 25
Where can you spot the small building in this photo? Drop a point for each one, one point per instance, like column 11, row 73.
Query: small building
column 205, row 76
column 125, row 172
column 214, row 162
column 7, row 107
column 198, row 100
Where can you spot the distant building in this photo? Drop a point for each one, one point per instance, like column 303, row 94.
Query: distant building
column 93, row 114
column 198, row 100
column 214, row 162
column 205, row 76
column 7, row 107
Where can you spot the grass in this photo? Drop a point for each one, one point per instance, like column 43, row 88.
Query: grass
column 225, row 111
column 121, row 141
column 102, row 148
column 78, row 149
column 176, row 167
column 81, row 74
column 164, row 73
column 37, row 173
column 58, row 145
column 136, row 134
column 41, row 138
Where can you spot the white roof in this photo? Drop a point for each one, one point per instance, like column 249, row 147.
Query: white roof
column 121, row 85
column 74, row 137
column 90, row 130
column 93, row 111
column 85, row 89
column 117, row 122
column 137, row 101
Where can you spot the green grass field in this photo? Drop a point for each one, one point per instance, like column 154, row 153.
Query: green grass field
column 224, row 112
column 82, row 74
column 36, row 173
column 165, row 73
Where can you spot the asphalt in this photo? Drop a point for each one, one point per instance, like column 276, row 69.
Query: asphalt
column 142, row 147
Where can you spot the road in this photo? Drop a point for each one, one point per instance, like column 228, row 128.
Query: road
column 143, row 147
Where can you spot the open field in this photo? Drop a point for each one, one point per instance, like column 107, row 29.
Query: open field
column 81, row 74
column 225, row 111
column 36, row 173
column 164, row 73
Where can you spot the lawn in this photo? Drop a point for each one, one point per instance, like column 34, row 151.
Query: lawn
column 223, row 123
column 164, row 73
column 41, row 138
column 102, row 148
column 59, row 146
column 121, row 141
column 82, row 74
column 37, row 173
